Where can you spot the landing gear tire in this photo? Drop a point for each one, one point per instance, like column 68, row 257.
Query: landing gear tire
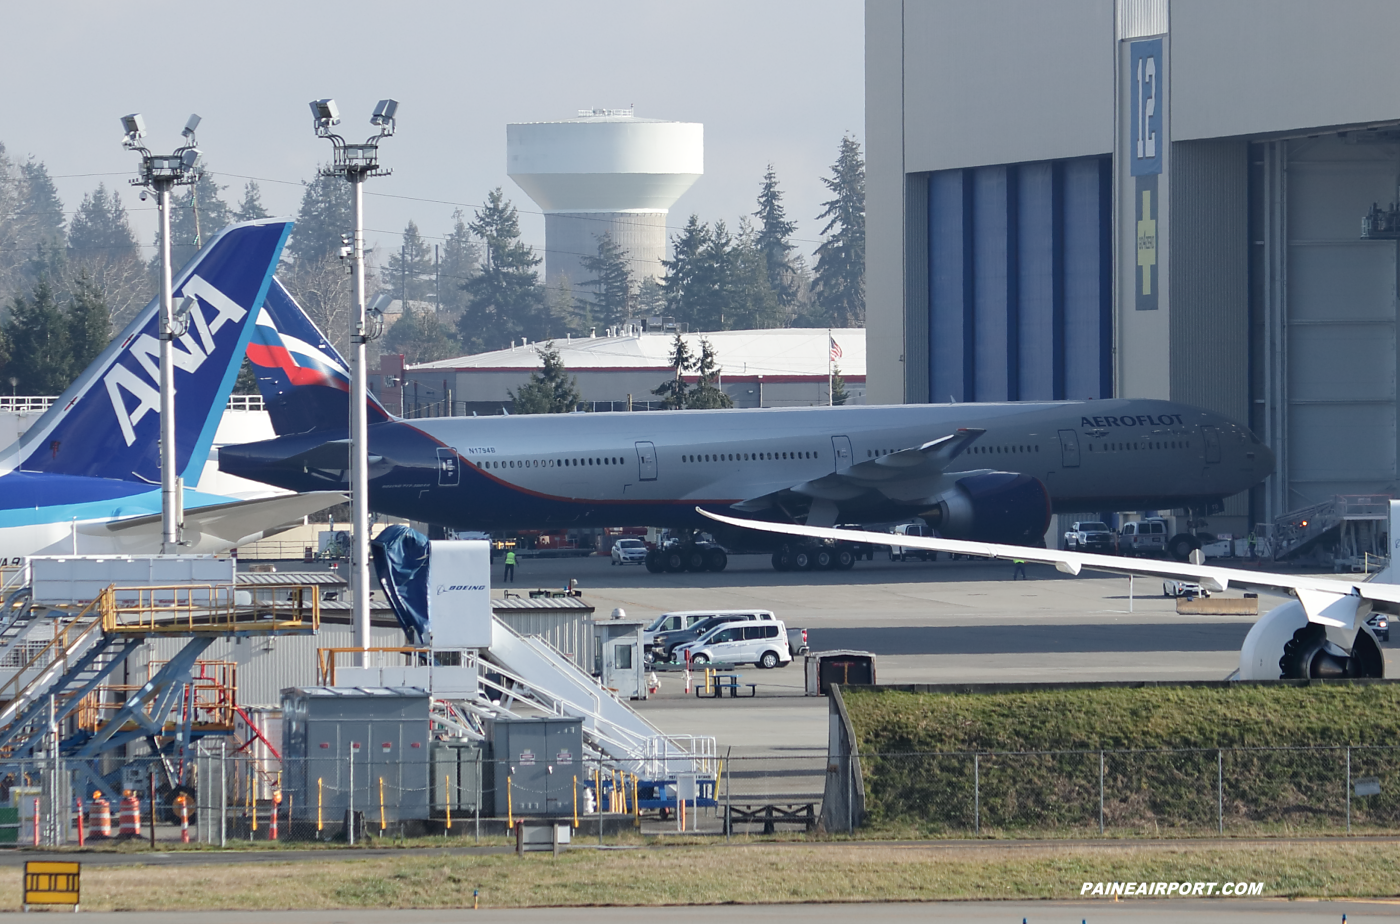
column 824, row 559
column 769, row 660
column 802, row 560
column 782, row 559
column 654, row 563
column 1182, row 545
column 673, row 561
column 845, row 559
column 716, row 560
column 695, row 560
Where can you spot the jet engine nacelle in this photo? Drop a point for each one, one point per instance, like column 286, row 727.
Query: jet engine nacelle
column 1283, row 645
column 993, row 507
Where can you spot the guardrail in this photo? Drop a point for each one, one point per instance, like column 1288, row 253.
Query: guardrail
column 219, row 609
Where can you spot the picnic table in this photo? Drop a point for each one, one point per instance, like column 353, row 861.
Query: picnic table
column 716, row 683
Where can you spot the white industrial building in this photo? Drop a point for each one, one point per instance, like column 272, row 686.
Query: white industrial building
column 1144, row 198
column 783, row 367
column 605, row 172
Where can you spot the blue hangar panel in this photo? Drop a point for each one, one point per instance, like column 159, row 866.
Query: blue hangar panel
column 1019, row 281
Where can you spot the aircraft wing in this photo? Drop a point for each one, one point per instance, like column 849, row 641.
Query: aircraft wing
column 1327, row 601
column 900, row 476
column 227, row 525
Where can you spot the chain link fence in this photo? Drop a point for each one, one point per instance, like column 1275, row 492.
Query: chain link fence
column 1181, row 792
column 220, row 796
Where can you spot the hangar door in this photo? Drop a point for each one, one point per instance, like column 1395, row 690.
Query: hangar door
column 1326, row 350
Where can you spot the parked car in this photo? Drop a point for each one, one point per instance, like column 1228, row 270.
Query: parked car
column 797, row 641
column 760, row 642
column 1089, row 536
column 1183, row 589
column 629, row 552
column 664, row 645
column 672, row 622
column 1380, row 624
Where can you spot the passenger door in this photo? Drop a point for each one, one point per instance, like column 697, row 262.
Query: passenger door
column 1212, row 438
column 1069, row 448
column 646, row 461
column 840, row 453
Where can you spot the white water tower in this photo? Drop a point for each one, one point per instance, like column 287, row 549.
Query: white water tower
column 606, row 171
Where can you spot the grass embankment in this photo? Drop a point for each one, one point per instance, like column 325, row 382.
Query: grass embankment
column 706, row 875
column 1172, row 784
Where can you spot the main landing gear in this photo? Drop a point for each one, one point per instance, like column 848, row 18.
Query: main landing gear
column 822, row 556
column 687, row 557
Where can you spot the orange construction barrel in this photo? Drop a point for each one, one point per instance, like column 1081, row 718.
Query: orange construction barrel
column 129, row 820
column 99, row 817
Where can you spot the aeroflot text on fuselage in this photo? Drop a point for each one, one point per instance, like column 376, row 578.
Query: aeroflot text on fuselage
column 188, row 355
column 1141, row 420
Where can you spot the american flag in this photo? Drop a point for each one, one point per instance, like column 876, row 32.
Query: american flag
column 835, row 348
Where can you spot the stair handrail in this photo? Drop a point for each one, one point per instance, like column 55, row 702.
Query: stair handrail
column 60, row 640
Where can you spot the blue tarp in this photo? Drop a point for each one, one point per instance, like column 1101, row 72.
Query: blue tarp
column 401, row 562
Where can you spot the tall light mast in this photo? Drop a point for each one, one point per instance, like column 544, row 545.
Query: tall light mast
column 160, row 173
column 356, row 162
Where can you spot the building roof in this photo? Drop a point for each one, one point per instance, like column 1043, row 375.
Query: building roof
column 790, row 351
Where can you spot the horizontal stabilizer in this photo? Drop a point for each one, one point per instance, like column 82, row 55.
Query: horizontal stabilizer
column 225, row 526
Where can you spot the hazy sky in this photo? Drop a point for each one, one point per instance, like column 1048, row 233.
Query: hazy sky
column 772, row 81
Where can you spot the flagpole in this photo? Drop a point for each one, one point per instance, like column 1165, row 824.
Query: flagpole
column 829, row 402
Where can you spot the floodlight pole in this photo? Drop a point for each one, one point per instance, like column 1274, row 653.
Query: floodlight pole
column 355, row 162
column 160, row 174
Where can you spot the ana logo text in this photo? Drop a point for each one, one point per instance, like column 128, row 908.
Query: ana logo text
column 190, row 351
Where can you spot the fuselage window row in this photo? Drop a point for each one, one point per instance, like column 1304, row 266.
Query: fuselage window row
column 549, row 463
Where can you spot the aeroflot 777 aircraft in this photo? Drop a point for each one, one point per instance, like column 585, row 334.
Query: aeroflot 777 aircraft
column 85, row 479
column 976, row 471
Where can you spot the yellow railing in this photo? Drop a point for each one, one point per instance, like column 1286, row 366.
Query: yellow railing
column 186, row 609
column 211, row 696
column 327, row 659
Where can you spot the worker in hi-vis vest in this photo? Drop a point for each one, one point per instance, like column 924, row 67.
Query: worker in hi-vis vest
column 510, row 566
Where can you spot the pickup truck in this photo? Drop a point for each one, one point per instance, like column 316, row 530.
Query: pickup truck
column 797, row 641
column 1089, row 536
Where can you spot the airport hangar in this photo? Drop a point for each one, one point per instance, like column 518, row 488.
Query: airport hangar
column 1144, row 198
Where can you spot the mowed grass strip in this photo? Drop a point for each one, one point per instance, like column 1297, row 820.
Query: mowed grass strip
column 745, row 874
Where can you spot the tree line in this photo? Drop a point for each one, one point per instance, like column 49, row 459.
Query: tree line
column 69, row 281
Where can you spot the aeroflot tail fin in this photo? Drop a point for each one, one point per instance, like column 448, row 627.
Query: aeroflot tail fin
column 304, row 382
column 107, row 424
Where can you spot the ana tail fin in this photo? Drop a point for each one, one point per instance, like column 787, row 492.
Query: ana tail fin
column 107, row 423
column 304, row 382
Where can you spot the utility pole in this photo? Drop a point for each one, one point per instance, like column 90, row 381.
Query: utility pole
column 161, row 173
column 356, row 162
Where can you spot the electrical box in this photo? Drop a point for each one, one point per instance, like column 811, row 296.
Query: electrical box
column 823, row 668
column 375, row 736
column 456, row 776
column 536, row 765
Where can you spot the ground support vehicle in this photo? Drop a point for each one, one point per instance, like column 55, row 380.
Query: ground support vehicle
column 764, row 643
column 1088, row 536
column 677, row 555
column 629, row 552
column 665, row 644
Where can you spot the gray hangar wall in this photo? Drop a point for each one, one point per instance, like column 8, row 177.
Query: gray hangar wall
column 1279, row 128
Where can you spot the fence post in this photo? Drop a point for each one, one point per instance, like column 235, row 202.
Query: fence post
column 1348, row 789
column 1220, row 790
column 223, row 793
column 850, row 791
column 1100, row 792
column 976, row 794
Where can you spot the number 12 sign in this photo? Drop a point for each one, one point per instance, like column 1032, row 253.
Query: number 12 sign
column 1146, row 70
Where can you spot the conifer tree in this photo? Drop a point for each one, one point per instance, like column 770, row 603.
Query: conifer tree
column 674, row 392
column 614, row 296
column 89, row 324
column 707, row 393
column 840, row 271
column 460, row 261
column 37, row 337
column 505, row 300
column 327, row 211
column 251, row 208
column 409, row 274
column 551, row 390
column 772, row 240
column 421, row 337
column 197, row 213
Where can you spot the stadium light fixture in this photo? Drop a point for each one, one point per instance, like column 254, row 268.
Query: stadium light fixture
column 159, row 174
column 356, row 162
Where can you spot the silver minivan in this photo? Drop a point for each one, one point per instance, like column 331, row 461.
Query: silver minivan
column 762, row 643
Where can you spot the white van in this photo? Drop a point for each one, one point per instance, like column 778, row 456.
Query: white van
column 684, row 619
column 762, row 643
column 1145, row 537
column 903, row 553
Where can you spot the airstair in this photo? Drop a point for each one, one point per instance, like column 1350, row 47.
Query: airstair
column 66, row 675
column 1344, row 532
